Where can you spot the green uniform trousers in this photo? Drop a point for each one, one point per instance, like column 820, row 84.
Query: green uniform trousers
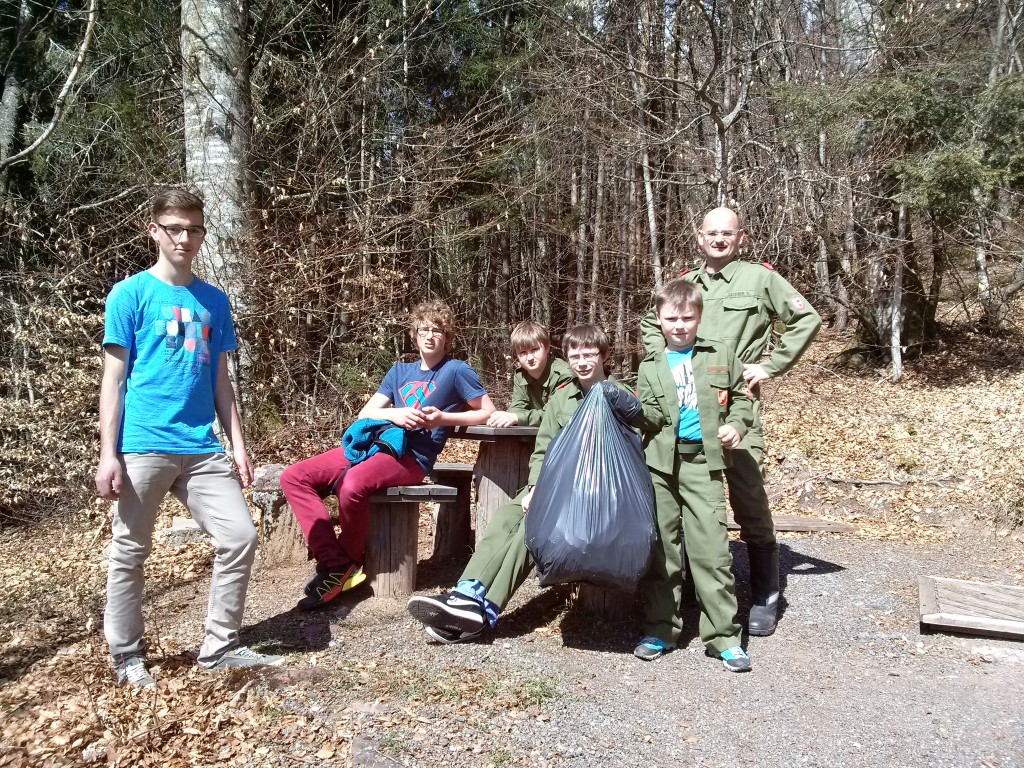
column 747, row 496
column 691, row 507
column 501, row 561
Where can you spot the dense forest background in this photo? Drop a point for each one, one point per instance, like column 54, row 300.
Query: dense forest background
column 516, row 158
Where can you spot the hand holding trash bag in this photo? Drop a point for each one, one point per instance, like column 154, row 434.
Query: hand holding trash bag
column 591, row 515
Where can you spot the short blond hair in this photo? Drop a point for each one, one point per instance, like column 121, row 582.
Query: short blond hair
column 433, row 313
column 679, row 293
column 528, row 334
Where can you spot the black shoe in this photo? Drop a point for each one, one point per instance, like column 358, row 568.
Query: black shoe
column 325, row 585
column 764, row 589
column 452, row 611
column 448, row 636
column 735, row 659
column 651, row 648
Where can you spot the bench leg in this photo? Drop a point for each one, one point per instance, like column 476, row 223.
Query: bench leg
column 452, row 525
column 391, row 548
column 605, row 602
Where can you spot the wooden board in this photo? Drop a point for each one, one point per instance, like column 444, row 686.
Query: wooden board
column 801, row 523
column 996, row 610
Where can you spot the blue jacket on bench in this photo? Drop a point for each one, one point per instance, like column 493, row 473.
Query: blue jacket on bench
column 369, row 436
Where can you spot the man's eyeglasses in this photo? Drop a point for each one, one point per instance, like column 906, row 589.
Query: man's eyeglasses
column 722, row 233
column 584, row 357
column 174, row 231
column 424, row 333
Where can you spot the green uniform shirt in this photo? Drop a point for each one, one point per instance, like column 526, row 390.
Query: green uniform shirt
column 560, row 408
column 740, row 303
column 530, row 395
column 722, row 399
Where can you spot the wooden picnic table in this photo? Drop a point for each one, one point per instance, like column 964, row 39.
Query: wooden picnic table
column 502, row 467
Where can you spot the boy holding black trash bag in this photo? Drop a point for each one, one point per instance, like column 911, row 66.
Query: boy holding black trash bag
column 695, row 392
column 501, row 561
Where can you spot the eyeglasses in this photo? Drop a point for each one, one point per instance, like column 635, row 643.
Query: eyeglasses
column 727, row 233
column 584, row 357
column 174, row 231
column 425, row 333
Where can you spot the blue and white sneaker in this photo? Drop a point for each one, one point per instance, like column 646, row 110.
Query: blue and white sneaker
column 448, row 637
column 735, row 659
column 451, row 611
column 651, row 648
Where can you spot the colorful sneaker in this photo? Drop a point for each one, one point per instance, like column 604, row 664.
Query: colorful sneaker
column 651, row 648
column 132, row 671
column 325, row 585
column 448, row 636
column 241, row 657
column 735, row 659
column 452, row 611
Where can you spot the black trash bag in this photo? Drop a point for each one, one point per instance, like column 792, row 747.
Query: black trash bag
column 591, row 517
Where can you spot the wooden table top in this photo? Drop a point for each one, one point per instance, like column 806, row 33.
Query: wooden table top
column 494, row 433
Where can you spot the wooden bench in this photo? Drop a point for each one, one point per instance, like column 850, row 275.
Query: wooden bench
column 453, row 527
column 392, row 544
column 391, row 547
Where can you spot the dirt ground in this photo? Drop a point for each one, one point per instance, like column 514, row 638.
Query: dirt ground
column 928, row 471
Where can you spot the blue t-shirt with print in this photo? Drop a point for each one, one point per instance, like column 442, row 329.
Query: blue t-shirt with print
column 174, row 335
column 448, row 386
column 681, row 365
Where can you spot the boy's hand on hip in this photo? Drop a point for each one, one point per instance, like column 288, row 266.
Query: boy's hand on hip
column 108, row 478
column 754, row 374
column 729, row 436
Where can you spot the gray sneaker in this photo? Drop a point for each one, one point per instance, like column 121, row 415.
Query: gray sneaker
column 242, row 657
column 132, row 671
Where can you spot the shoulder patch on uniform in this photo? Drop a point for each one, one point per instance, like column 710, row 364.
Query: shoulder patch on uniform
column 798, row 302
column 767, row 265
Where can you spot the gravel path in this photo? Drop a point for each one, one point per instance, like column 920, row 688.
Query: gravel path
column 848, row 679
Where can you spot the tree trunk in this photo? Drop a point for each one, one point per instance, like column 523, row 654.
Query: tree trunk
column 217, row 130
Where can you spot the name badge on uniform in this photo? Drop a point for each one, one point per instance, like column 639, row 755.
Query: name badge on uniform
column 723, row 397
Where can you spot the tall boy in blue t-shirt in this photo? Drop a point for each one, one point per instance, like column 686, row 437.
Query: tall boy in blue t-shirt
column 426, row 399
column 165, row 380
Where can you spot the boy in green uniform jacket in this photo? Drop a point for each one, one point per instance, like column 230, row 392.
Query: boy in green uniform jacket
column 742, row 300
column 538, row 376
column 696, row 409
column 501, row 562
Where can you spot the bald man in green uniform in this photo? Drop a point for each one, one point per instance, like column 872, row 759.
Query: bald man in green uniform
column 742, row 300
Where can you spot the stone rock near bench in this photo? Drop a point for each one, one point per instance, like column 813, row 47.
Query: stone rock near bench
column 281, row 539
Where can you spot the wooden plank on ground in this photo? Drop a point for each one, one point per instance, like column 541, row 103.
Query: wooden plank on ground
column 970, row 606
column 802, row 523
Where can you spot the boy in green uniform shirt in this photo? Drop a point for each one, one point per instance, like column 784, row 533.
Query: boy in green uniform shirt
column 696, row 409
column 742, row 301
column 501, row 561
column 538, row 376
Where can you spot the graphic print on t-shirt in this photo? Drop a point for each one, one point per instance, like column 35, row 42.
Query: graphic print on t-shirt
column 183, row 328
column 686, row 392
column 414, row 394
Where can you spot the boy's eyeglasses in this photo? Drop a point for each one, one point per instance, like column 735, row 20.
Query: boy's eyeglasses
column 174, row 231
column 586, row 357
column 424, row 333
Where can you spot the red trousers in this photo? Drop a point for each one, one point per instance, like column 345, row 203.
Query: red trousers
column 307, row 483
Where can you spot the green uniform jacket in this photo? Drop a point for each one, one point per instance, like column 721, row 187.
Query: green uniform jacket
column 560, row 408
column 530, row 395
column 721, row 399
column 740, row 303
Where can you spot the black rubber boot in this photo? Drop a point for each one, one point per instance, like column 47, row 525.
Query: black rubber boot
column 764, row 589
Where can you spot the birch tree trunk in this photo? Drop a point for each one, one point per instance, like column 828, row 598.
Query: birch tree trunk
column 217, row 129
